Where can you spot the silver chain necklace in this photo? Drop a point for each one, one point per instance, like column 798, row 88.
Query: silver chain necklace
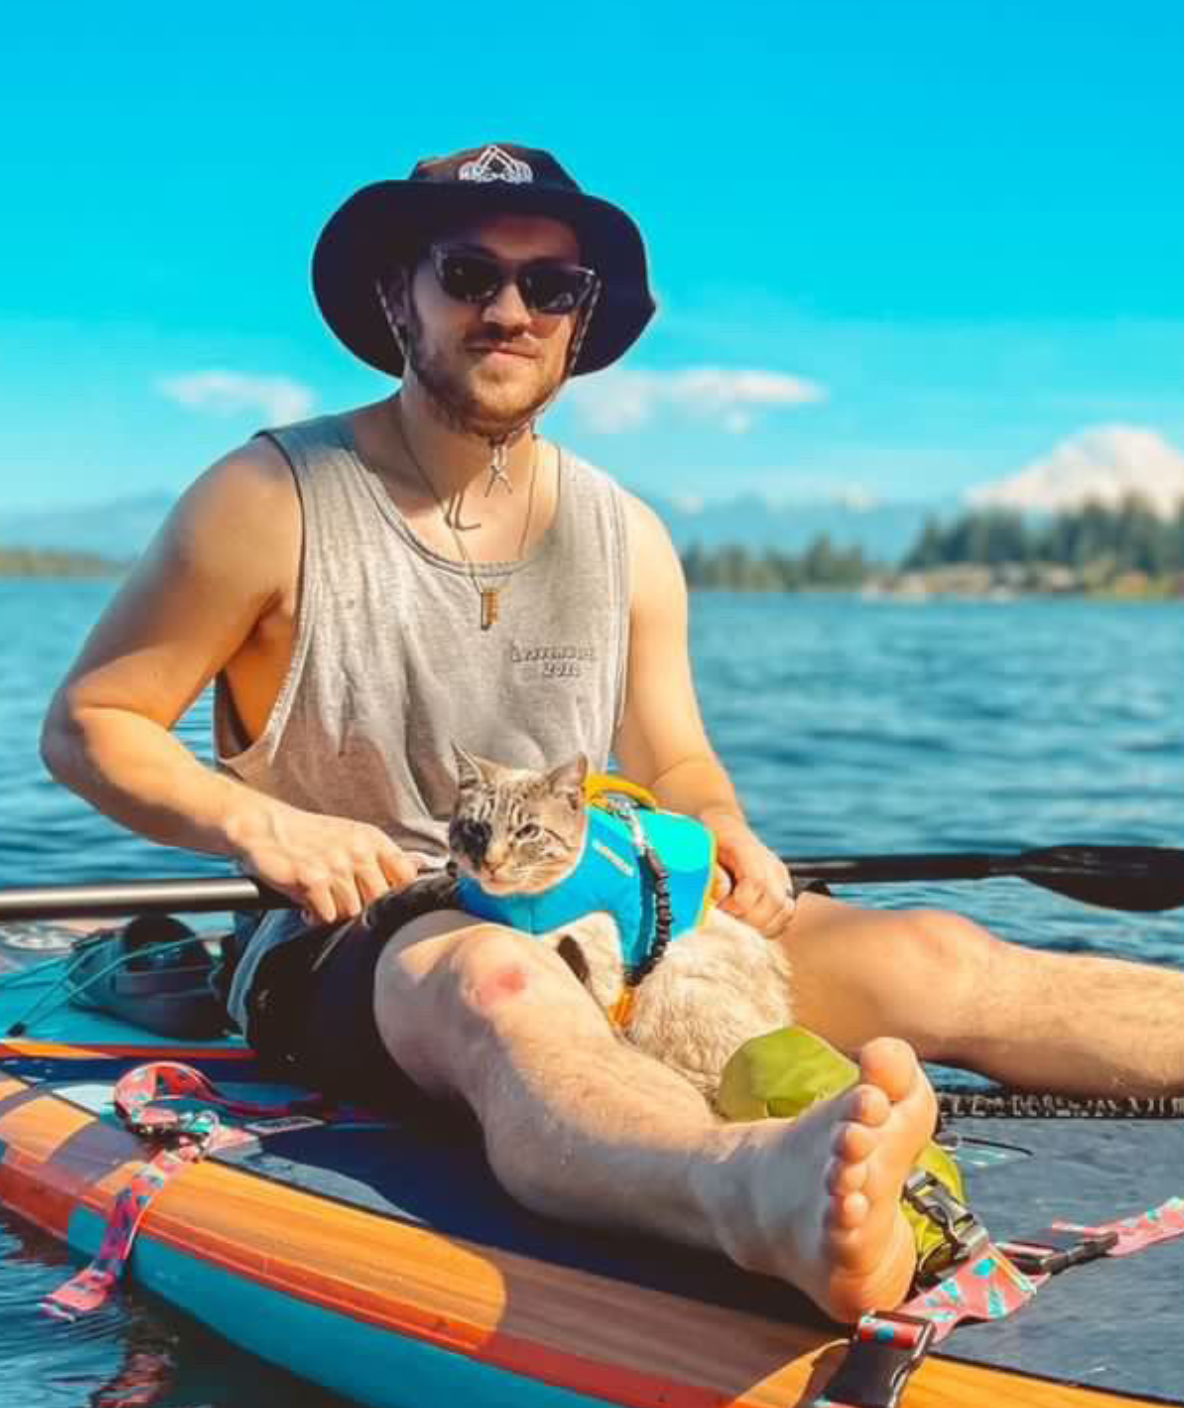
column 488, row 594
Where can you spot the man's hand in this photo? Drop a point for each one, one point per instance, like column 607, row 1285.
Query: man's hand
column 760, row 892
column 330, row 866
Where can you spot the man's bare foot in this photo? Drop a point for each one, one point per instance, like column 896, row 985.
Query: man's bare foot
column 816, row 1200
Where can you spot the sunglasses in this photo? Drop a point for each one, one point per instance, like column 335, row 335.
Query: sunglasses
column 546, row 285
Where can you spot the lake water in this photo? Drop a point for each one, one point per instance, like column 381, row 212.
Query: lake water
column 850, row 727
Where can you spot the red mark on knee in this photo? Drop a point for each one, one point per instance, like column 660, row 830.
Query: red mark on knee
column 499, row 985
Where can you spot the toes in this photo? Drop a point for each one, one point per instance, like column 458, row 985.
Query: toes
column 854, row 1143
column 847, row 1214
column 843, row 1178
column 868, row 1105
column 891, row 1065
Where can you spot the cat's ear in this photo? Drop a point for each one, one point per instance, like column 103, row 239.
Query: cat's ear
column 568, row 779
column 468, row 768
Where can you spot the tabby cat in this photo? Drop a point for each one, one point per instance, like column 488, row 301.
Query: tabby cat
column 517, row 831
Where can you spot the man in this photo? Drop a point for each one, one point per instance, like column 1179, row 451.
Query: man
column 364, row 590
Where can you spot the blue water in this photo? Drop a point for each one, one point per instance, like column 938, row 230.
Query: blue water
column 849, row 726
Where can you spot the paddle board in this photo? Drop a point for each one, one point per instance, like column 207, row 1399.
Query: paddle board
column 375, row 1255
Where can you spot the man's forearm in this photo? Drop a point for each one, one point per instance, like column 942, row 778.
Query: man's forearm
column 698, row 786
column 137, row 773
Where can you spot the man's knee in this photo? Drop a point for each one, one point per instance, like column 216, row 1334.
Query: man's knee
column 448, row 1018
column 490, row 967
column 946, row 960
column 451, row 981
column 947, row 942
column 912, row 973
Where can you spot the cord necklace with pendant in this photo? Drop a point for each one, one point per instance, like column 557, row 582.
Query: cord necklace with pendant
column 488, row 594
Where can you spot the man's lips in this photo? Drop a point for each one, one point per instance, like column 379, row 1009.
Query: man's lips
column 488, row 349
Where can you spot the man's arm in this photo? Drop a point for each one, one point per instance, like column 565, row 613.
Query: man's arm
column 662, row 742
column 200, row 598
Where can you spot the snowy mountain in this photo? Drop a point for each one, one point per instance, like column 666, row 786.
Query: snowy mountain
column 1104, row 464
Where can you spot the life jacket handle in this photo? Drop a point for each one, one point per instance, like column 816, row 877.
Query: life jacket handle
column 603, row 784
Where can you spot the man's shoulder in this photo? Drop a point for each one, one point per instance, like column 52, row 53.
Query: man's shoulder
column 251, row 485
column 332, row 428
column 576, row 464
column 596, row 477
column 645, row 528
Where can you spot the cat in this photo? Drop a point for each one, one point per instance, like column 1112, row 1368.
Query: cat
column 517, row 832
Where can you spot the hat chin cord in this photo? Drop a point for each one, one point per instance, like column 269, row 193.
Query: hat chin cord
column 499, row 445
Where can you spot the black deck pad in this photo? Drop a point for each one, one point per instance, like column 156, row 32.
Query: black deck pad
column 1113, row 1324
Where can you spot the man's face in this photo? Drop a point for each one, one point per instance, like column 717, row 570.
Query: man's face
column 489, row 367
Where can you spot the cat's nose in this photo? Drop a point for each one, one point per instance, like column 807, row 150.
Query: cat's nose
column 471, row 837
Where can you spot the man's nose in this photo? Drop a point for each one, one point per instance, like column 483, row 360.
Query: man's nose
column 507, row 308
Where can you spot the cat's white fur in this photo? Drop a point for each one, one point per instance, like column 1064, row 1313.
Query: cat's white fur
column 715, row 988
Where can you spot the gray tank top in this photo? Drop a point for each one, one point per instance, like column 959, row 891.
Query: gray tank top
column 389, row 664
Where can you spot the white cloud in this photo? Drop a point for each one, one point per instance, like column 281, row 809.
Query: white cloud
column 621, row 400
column 278, row 398
column 1102, row 464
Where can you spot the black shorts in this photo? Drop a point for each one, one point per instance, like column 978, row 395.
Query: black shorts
column 310, row 1008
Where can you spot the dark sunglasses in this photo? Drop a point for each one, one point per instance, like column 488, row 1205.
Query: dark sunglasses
column 546, row 285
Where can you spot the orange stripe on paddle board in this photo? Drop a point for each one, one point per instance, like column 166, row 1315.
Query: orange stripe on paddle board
column 59, row 1051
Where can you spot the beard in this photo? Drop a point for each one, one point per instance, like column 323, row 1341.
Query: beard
column 492, row 412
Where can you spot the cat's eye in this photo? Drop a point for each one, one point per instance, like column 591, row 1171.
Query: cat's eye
column 529, row 831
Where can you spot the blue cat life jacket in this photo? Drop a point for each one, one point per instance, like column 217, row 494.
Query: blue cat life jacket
column 613, row 876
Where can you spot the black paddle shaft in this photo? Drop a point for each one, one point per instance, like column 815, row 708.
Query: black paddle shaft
column 1143, row 879
column 1138, row 878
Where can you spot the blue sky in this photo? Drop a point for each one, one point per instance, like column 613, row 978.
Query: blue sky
column 900, row 250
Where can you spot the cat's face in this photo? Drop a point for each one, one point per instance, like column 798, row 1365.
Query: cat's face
column 513, row 830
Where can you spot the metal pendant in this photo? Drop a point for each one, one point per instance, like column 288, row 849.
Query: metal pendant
column 497, row 470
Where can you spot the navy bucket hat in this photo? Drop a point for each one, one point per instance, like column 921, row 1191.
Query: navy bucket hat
column 385, row 225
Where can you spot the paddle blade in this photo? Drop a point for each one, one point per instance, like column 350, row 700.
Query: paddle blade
column 1143, row 879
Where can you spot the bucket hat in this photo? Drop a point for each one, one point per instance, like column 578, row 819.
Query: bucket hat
column 388, row 223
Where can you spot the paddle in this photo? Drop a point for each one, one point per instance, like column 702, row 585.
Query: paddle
column 1137, row 878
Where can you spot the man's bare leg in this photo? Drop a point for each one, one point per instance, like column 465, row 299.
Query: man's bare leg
column 581, row 1126
column 958, row 995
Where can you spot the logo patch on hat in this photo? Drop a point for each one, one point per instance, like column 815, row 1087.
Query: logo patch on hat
column 494, row 164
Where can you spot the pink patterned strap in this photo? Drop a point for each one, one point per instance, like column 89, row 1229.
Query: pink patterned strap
column 170, row 1080
column 91, row 1287
column 885, row 1349
column 988, row 1288
column 1134, row 1233
column 195, row 1133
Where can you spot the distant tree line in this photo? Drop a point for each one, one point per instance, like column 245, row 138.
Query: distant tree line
column 1100, row 542
column 1131, row 538
column 53, row 562
column 822, row 565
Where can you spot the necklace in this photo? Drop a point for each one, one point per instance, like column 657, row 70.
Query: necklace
column 488, row 594
column 497, row 470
